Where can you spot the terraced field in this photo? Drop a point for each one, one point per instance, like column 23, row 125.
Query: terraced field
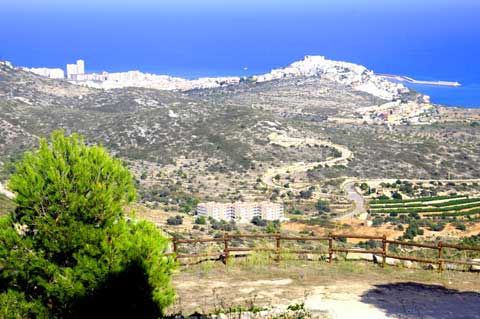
column 439, row 206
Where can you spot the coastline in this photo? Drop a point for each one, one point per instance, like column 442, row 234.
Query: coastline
column 403, row 78
column 446, row 93
column 465, row 96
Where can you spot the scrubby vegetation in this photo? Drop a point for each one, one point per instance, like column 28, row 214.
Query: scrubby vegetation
column 177, row 220
column 6, row 205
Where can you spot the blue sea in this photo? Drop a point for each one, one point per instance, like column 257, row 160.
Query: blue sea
column 423, row 39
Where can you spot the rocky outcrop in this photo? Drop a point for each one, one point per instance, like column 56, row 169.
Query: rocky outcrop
column 349, row 74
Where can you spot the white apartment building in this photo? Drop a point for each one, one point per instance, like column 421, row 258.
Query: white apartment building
column 71, row 71
column 49, row 73
column 98, row 77
column 74, row 70
column 241, row 212
column 126, row 76
column 80, row 67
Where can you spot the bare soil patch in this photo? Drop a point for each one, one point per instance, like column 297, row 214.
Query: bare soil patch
column 342, row 289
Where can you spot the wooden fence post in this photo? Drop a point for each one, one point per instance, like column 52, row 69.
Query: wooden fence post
column 175, row 246
column 278, row 247
column 440, row 256
column 384, row 251
column 330, row 248
column 225, row 249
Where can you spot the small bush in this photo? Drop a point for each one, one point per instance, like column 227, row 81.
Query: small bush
column 177, row 220
column 201, row 220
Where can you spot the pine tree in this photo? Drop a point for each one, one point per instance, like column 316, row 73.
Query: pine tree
column 67, row 251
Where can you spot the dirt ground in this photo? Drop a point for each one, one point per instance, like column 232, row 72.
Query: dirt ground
column 340, row 290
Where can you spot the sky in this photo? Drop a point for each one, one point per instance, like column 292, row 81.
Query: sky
column 218, row 37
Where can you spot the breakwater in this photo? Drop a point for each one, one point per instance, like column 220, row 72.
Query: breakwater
column 414, row 81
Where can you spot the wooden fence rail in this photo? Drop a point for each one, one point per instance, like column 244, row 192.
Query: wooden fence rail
column 279, row 238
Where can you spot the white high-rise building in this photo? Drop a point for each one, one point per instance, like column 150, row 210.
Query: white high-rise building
column 80, row 67
column 72, row 71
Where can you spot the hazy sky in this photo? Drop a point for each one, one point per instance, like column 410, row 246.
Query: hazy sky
column 224, row 36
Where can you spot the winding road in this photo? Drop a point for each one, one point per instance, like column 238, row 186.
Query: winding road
column 356, row 198
column 348, row 186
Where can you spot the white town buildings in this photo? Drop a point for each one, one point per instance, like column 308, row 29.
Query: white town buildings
column 241, row 212
column 49, row 73
column 75, row 70
column 356, row 76
column 71, row 71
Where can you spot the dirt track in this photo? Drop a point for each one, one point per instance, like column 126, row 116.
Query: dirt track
column 286, row 141
column 342, row 290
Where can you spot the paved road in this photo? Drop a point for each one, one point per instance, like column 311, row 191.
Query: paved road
column 358, row 200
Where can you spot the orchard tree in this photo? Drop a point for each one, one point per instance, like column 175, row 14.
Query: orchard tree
column 67, row 250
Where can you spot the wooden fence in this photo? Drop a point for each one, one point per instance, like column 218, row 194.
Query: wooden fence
column 382, row 251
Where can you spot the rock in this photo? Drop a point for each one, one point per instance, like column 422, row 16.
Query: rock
column 364, row 216
column 326, row 257
column 360, row 256
column 430, row 266
column 306, row 257
column 475, row 268
column 407, row 264
column 246, row 315
column 389, row 261
column 392, row 261
column 448, row 266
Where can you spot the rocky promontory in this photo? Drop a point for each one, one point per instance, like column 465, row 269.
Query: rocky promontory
column 349, row 74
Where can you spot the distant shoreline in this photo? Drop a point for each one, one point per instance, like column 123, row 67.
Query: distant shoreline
column 411, row 80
